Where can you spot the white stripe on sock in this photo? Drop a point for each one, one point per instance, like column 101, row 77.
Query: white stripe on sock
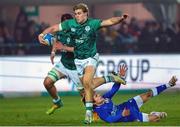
column 168, row 85
column 145, row 117
column 138, row 100
column 155, row 92
column 56, row 100
column 89, row 104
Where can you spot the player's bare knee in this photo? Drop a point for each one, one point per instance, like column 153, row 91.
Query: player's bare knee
column 48, row 82
column 150, row 93
column 146, row 96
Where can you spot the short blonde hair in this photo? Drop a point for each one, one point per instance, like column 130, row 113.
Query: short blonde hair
column 82, row 6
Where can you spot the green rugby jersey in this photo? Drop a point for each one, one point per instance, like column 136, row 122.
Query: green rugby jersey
column 67, row 58
column 84, row 36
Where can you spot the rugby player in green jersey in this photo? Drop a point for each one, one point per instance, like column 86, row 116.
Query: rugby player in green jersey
column 66, row 68
column 83, row 31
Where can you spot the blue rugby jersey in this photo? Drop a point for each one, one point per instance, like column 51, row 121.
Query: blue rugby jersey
column 113, row 113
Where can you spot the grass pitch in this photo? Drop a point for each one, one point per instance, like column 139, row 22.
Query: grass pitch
column 31, row 111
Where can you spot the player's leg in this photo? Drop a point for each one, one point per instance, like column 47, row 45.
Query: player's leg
column 159, row 114
column 72, row 74
column 86, row 69
column 112, row 77
column 54, row 75
column 157, row 90
column 87, row 80
column 49, row 85
column 153, row 116
column 98, row 81
column 142, row 98
column 144, row 117
column 49, row 81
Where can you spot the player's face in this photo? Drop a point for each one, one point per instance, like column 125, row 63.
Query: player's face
column 80, row 16
column 98, row 98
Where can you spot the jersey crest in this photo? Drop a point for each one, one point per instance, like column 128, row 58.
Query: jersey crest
column 87, row 28
column 68, row 40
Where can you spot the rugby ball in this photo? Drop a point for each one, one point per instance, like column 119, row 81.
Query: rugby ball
column 49, row 39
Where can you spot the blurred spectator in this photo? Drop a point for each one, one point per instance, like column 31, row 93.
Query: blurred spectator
column 177, row 38
column 126, row 38
column 147, row 38
column 152, row 37
column 6, row 40
column 165, row 35
column 104, row 41
column 134, row 29
column 20, row 30
column 33, row 30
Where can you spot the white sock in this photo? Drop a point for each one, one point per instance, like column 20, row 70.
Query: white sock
column 56, row 100
column 145, row 117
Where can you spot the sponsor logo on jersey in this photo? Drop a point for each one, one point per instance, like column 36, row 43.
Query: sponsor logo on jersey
column 114, row 110
column 73, row 29
column 106, row 100
column 78, row 41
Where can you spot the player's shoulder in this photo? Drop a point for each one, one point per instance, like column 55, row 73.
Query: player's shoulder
column 93, row 19
column 69, row 21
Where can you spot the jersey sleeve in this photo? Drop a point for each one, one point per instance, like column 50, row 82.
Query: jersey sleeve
column 113, row 90
column 97, row 23
column 64, row 25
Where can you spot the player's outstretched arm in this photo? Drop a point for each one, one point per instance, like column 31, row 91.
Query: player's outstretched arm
column 114, row 20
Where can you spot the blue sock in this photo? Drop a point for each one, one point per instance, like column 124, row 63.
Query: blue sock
column 159, row 89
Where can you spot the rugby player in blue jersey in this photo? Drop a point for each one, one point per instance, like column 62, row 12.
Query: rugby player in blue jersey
column 130, row 110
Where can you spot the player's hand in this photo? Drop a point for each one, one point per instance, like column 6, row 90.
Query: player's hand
column 126, row 112
column 125, row 16
column 123, row 70
column 52, row 57
column 41, row 40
